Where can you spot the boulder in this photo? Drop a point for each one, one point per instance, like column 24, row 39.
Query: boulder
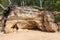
column 58, row 23
column 49, row 22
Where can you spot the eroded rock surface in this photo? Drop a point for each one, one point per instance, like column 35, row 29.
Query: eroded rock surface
column 16, row 18
column 24, row 18
column 1, row 23
column 49, row 22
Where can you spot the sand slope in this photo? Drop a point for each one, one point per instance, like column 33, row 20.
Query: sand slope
column 30, row 35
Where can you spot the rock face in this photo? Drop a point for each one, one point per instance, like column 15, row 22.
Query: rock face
column 23, row 18
column 27, row 18
column 58, row 23
column 49, row 22
column 1, row 24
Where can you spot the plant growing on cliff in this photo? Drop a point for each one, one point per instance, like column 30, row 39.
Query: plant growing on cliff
column 57, row 17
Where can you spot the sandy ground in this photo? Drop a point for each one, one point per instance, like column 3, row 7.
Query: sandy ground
column 30, row 35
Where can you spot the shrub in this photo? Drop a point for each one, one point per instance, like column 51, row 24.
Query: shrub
column 57, row 18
